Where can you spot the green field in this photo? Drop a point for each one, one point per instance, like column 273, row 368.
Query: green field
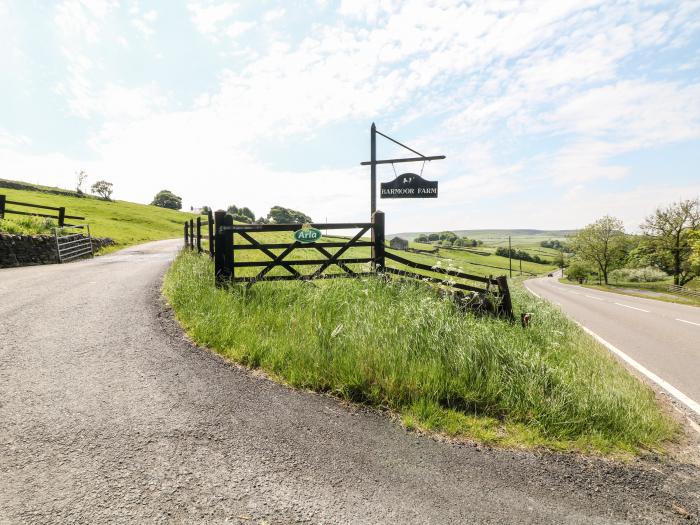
column 127, row 223
column 404, row 347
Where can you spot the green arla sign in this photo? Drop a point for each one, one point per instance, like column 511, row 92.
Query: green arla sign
column 307, row 234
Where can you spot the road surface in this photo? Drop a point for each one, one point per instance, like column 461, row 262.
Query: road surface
column 109, row 414
column 664, row 338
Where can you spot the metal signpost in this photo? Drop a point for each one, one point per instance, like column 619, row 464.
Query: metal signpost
column 423, row 189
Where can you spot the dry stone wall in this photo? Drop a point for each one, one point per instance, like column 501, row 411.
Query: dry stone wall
column 29, row 250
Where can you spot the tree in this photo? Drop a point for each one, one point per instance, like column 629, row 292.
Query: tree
column 446, row 235
column 421, row 238
column 280, row 215
column 668, row 235
column 578, row 271
column 80, row 179
column 205, row 210
column 433, row 237
column 602, row 245
column 695, row 243
column 167, row 199
column 103, row 189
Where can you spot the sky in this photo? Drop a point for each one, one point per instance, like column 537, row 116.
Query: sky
column 550, row 113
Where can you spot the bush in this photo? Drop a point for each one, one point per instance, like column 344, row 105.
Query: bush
column 29, row 225
column 648, row 274
column 578, row 271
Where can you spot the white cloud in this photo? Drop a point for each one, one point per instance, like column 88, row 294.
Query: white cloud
column 274, row 14
column 208, row 18
column 237, row 28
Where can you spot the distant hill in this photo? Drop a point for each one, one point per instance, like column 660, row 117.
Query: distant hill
column 498, row 236
column 127, row 223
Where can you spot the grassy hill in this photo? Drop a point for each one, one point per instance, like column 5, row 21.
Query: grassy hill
column 519, row 237
column 127, row 223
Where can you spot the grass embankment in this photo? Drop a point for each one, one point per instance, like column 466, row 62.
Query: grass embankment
column 127, row 223
column 403, row 347
column 660, row 290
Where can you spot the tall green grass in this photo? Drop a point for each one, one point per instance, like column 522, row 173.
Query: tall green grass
column 404, row 347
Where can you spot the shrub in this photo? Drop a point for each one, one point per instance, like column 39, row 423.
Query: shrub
column 30, row 225
column 648, row 274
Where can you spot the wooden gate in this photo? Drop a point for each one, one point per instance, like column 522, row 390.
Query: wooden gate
column 226, row 248
column 276, row 261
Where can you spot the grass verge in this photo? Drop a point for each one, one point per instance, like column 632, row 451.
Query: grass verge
column 403, row 347
column 659, row 292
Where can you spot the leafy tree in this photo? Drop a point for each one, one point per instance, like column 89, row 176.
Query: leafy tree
column 103, row 189
column 243, row 214
column 447, row 243
column 167, row 199
column 578, row 271
column 668, row 234
column 433, row 237
column 421, row 238
column 460, row 243
column 602, row 244
column 280, row 215
column 695, row 243
column 205, row 210
column 451, row 236
column 80, row 180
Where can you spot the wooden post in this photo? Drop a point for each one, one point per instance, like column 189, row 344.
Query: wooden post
column 223, row 243
column 373, row 168
column 187, row 237
column 210, row 225
column 378, row 241
column 228, row 248
column 2, row 206
column 506, row 303
column 199, row 235
column 61, row 217
column 192, row 234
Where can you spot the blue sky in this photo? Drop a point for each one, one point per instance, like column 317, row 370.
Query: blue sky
column 551, row 114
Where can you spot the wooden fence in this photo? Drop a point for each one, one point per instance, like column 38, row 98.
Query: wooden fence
column 193, row 233
column 490, row 293
column 683, row 290
column 60, row 214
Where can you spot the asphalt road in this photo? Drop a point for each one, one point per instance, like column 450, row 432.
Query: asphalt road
column 109, row 414
column 662, row 337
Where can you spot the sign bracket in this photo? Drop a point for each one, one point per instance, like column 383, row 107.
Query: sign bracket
column 373, row 162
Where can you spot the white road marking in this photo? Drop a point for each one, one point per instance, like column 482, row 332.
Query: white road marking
column 593, row 297
column 632, row 307
column 533, row 293
column 689, row 322
column 680, row 396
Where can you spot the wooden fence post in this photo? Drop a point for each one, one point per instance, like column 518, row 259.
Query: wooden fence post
column 228, row 248
column 187, row 237
column 61, row 217
column 223, row 244
column 506, row 303
column 210, row 225
column 2, row 206
column 378, row 241
column 199, row 235
column 191, row 234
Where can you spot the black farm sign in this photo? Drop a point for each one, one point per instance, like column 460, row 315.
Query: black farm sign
column 409, row 186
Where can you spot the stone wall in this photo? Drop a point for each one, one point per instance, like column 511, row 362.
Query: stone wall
column 29, row 250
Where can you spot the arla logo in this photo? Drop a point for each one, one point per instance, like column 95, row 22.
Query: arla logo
column 307, row 234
